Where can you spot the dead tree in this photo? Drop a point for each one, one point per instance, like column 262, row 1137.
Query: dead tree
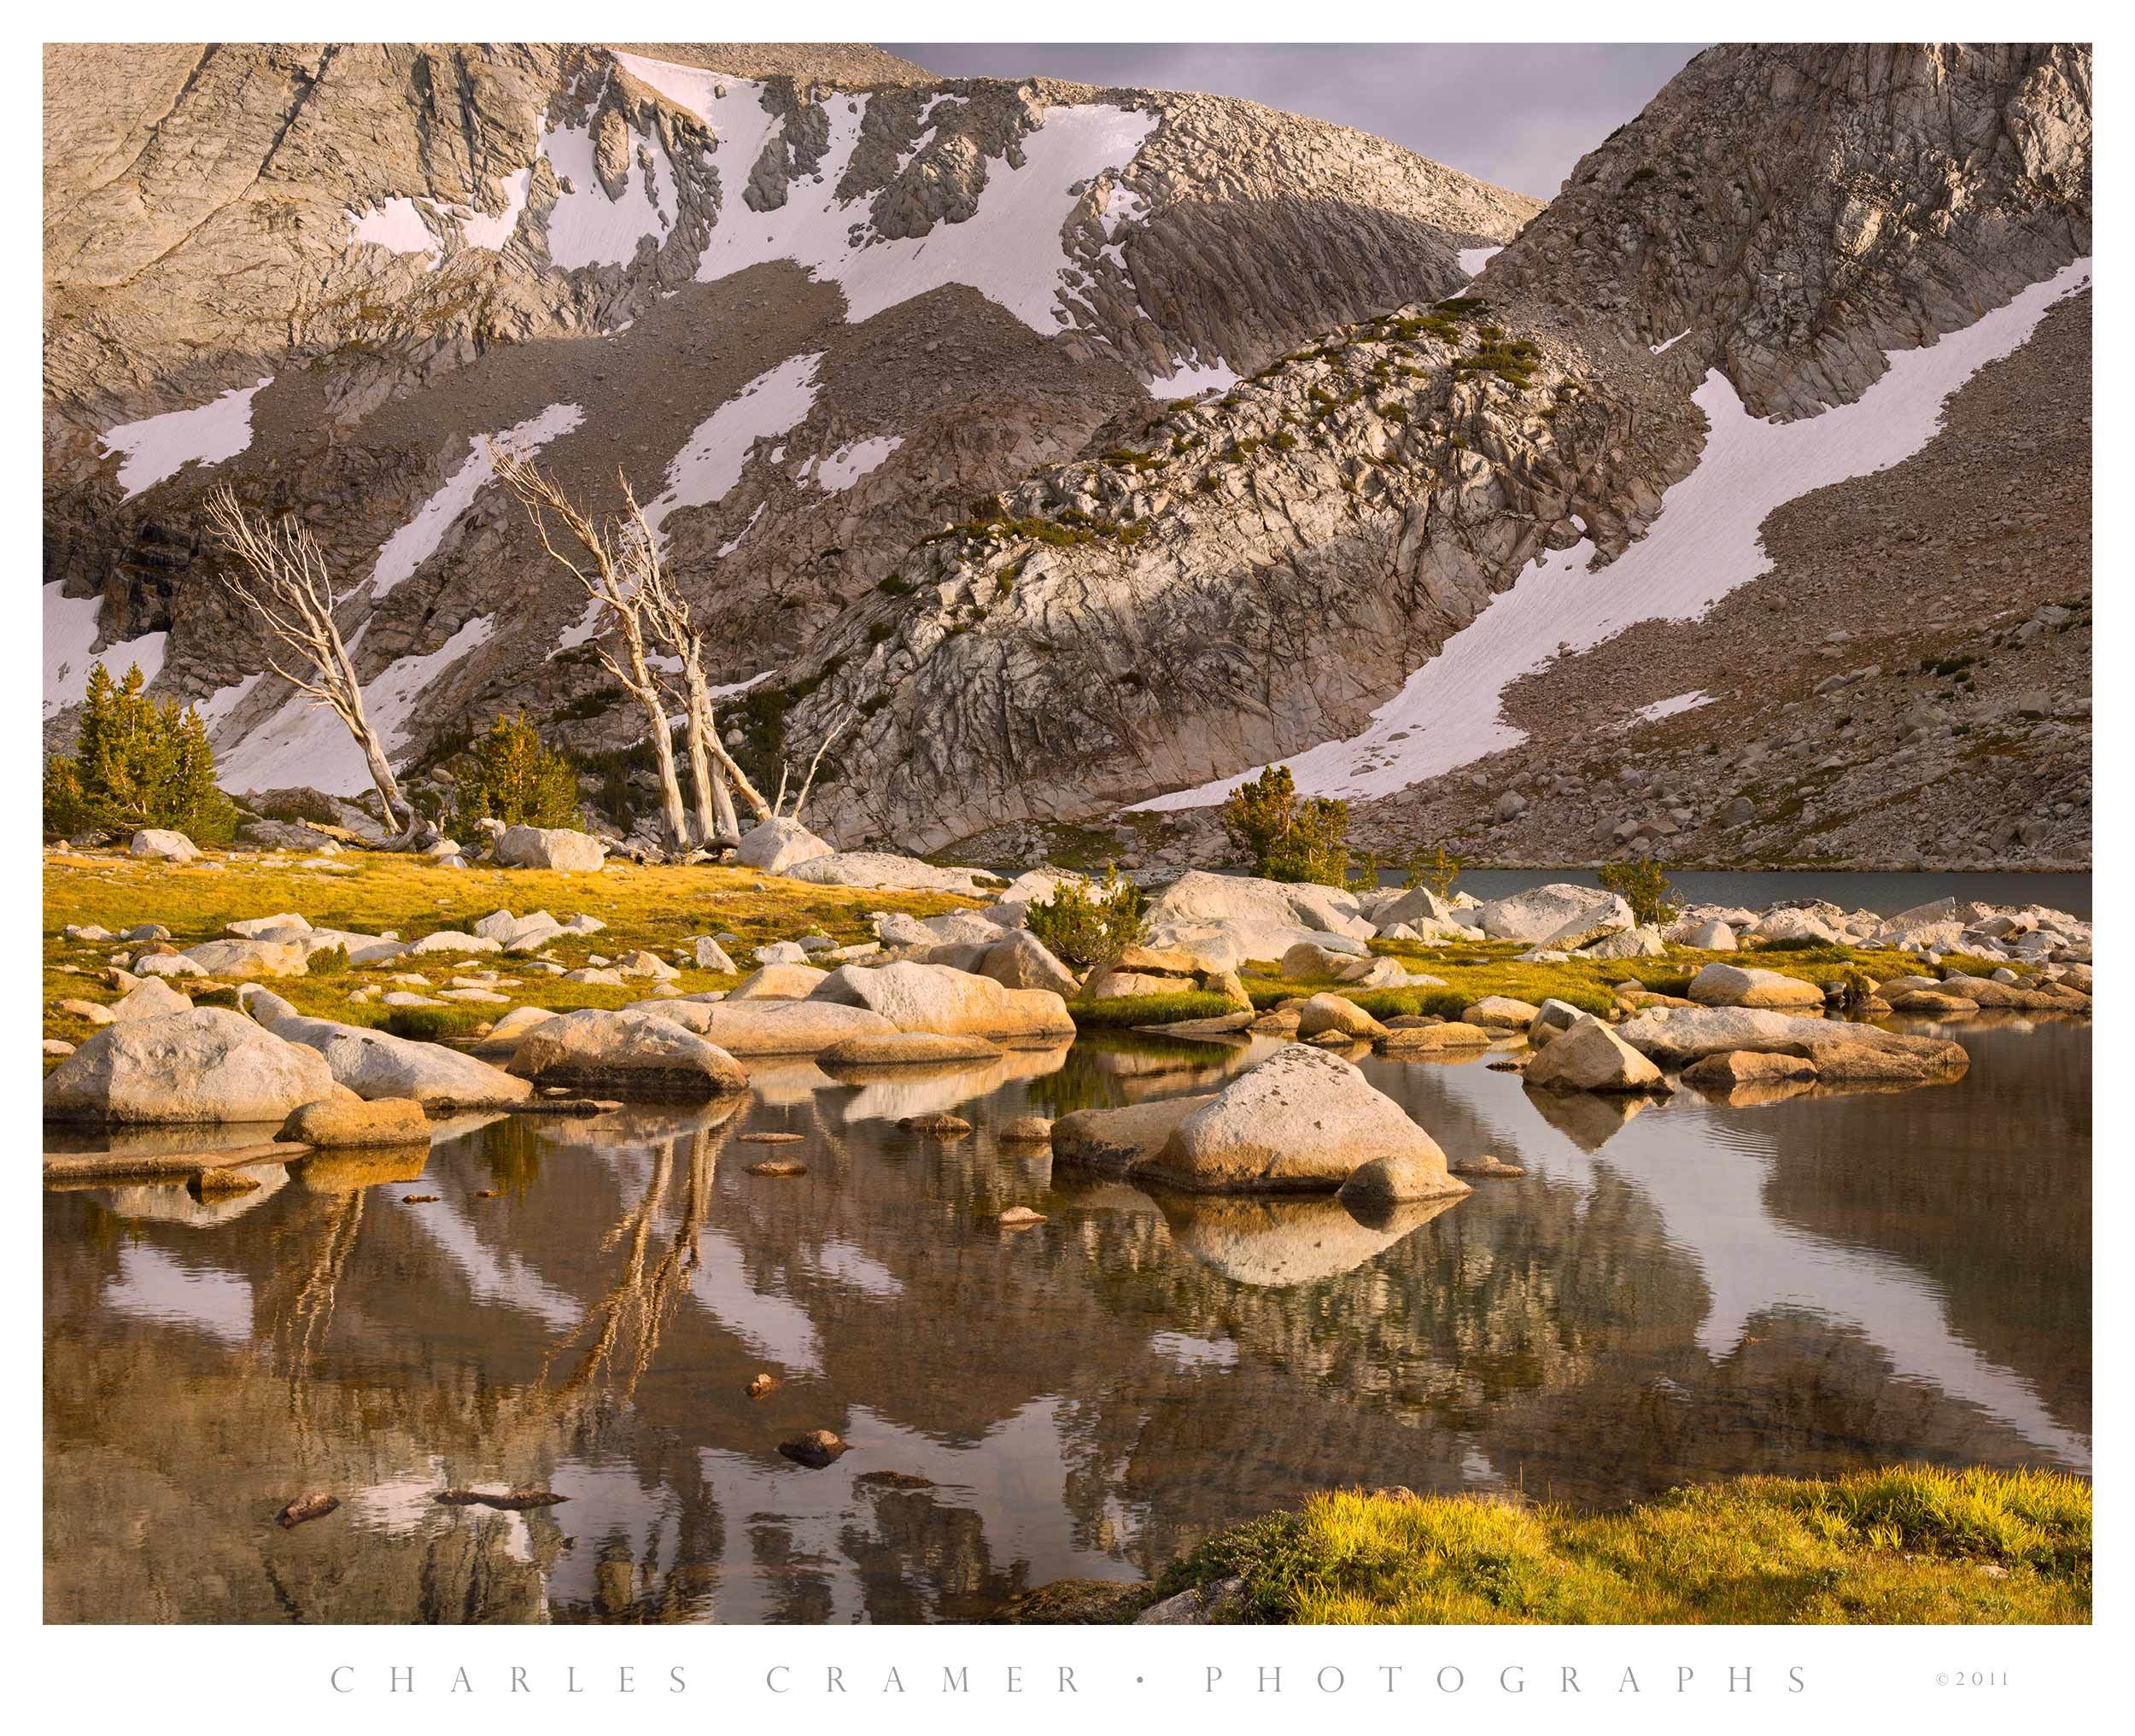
column 615, row 558
column 284, row 585
column 714, row 773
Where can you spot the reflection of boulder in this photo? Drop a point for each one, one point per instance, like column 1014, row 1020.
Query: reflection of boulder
column 1272, row 1242
column 149, row 1140
column 362, row 1166
column 1588, row 1119
column 891, row 1093
column 1755, row 1093
column 176, row 1204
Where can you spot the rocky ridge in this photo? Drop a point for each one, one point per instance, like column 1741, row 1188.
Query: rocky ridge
column 709, row 279
column 1780, row 221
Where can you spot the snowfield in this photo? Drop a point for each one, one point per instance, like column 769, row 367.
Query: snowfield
column 1010, row 249
column 711, row 459
column 588, row 228
column 305, row 745
column 1703, row 544
column 70, row 631
column 157, row 447
column 841, row 469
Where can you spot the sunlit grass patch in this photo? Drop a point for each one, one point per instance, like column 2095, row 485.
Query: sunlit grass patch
column 1907, row 1544
column 655, row 908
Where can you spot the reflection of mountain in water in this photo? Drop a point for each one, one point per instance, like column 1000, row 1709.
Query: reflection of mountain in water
column 1697, row 1292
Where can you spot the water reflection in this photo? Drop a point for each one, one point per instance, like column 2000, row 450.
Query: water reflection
column 1678, row 1289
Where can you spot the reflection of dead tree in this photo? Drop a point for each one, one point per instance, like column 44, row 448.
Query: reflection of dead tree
column 641, row 1301
column 301, row 1335
column 285, row 589
column 613, row 558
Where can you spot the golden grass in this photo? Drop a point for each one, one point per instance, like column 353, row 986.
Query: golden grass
column 658, row 909
column 1907, row 1544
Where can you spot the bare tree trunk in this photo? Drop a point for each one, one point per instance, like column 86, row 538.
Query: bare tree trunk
column 624, row 577
column 289, row 595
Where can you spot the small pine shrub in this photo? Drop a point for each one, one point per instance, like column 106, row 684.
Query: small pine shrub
column 137, row 762
column 328, row 962
column 1643, row 886
column 1286, row 839
column 1086, row 926
column 1438, row 872
column 510, row 774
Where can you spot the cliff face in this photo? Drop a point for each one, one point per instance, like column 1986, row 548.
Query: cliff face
column 1067, row 449
column 812, row 313
column 1757, row 293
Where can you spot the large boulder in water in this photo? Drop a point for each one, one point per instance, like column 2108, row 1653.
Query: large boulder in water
column 779, row 845
column 1111, row 1142
column 1301, row 1121
column 556, row 847
column 626, row 1055
column 1675, row 1036
column 346, row 1120
column 771, row 1026
column 210, row 1064
column 1589, row 1057
column 953, row 1003
column 376, row 1065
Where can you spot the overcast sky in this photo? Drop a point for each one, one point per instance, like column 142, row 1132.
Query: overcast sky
column 1519, row 114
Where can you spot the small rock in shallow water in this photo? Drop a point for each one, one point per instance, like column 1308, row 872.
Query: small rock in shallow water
column 892, row 1480
column 936, row 1126
column 511, row 1501
column 1019, row 1217
column 814, row 1449
column 314, row 1505
column 1489, row 1164
column 764, row 1386
column 757, row 1136
column 419, row 1199
column 778, row 1167
column 1026, row 1130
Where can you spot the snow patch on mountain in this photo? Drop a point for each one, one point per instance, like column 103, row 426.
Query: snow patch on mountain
column 1670, row 707
column 398, row 225
column 70, row 632
column 1472, row 259
column 1192, row 379
column 157, row 447
column 418, row 540
column 1704, row 544
column 1010, row 249
column 711, row 459
column 586, row 227
column 485, row 230
column 841, row 470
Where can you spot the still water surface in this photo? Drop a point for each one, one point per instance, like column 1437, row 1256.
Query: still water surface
column 1687, row 1292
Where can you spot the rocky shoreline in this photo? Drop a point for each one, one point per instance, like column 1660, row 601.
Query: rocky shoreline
column 1752, row 1005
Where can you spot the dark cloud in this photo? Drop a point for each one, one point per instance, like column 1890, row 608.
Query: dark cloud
column 1515, row 113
